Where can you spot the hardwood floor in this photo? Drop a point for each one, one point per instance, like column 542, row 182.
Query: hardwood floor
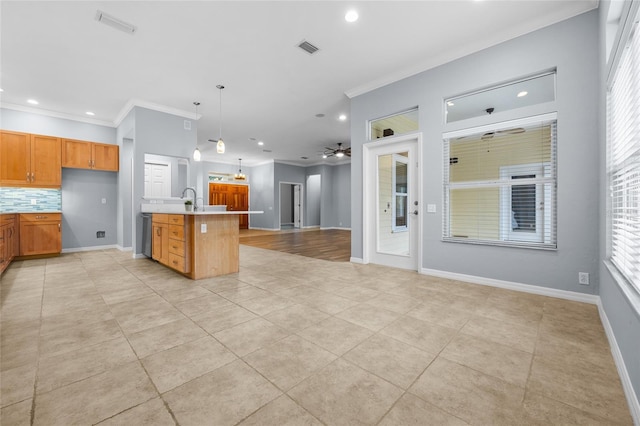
column 330, row 244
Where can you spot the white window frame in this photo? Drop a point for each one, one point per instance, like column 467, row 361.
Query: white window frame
column 549, row 241
column 543, row 198
column 623, row 148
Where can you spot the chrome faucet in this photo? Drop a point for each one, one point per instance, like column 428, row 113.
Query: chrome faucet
column 195, row 200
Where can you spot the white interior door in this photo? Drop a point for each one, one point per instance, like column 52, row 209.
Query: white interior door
column 157, row 180
column 392, row 205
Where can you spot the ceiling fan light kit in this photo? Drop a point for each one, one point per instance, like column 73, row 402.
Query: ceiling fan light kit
column 337, row 152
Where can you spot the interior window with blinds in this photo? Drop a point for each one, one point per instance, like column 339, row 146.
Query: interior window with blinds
column 500, row 185
column 624, row 163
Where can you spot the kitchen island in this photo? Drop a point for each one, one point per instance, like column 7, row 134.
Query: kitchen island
column 199, row 244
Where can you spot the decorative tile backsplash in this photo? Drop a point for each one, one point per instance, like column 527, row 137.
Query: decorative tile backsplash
column 21, row 200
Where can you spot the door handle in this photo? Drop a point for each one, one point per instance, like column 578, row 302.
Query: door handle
column 415, row 212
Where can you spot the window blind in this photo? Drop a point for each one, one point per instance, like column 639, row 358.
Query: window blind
column 500, row 185
column 623, row 166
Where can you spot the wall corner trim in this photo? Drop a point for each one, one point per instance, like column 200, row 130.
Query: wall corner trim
column 632, row 398
column 357, row 260
column 509, row 285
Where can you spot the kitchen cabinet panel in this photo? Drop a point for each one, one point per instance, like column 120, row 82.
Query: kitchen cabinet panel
column 90, row 155
column 30, row 160
column 40, row 233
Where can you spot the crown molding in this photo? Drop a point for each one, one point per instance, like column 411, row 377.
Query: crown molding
column 48, row 113
column 132, row 103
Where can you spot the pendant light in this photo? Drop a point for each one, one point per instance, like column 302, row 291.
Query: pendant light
column 240, row 175
column 196, row 152
column 220, row 144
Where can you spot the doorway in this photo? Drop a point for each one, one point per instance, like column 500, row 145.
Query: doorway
column 392, row 224
column 290, row 205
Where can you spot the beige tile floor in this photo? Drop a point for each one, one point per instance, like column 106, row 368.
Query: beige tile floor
column 99, row 338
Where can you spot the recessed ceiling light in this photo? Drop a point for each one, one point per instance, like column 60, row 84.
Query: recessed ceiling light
column 1, row 90
column 260, row 143
column 342, row 117
column 324, row 155
column 32, row 101
column 450, row 103
column 90, row 113
column 351, row 16
column 523, row 93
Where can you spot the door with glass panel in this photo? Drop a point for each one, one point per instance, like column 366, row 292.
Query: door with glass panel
column 392, row 205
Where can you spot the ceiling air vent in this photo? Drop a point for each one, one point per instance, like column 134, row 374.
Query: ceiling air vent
column 114, row 22
column 308, row 47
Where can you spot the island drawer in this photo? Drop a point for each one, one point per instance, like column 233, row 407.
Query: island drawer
column 176, row 219
column 160, row 218
column 177, row 262
column 176, row 247
column 176, row 232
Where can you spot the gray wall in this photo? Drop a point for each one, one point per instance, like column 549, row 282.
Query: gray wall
column 125, row 134
column 313, row 204
column 569, row 46
column 623, row 317
column 285, row 173
column 261, row 197
column 159, row 133
column 341, row 197
column 82, row 190
column 83, row 213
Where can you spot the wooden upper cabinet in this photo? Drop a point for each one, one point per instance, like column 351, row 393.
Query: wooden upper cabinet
column 76, row 154
column 46, row 164
column 30, row 160
column 15, row 152
column 106, row 157
column 90, row 155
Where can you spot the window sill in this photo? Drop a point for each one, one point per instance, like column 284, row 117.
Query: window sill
column 510, row 244
column 630, row 292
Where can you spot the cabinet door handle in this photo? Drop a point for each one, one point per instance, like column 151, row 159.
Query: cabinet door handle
column 158, row 232
column 28, row 180
column 58, row 227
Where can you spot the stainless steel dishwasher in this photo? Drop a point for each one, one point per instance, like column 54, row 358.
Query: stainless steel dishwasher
column 146, row 233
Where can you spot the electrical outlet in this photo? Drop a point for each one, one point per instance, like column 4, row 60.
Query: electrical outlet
column 203, row 228
column 583, row 278
column 101, row 234
column 104, row 201
column 33, row 201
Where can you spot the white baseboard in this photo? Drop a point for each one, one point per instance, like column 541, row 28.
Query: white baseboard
column 263, row 229
column 526, row 288
column 311, row 226
column 629, row 392
column 138, row 256
column 335, row 227
column 92, row 248
column 356, row 260
column 119, row 247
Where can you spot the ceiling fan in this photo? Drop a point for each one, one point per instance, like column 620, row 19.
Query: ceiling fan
column 336, row 152
column 490, row 135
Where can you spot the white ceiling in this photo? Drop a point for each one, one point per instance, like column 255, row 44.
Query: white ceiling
column 56, row 52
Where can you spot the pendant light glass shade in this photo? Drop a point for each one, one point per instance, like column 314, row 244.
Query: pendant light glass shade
column 220, row 144
column 196, row 152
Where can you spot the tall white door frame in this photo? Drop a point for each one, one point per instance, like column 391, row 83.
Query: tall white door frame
column 370, row 198
column 299, row 207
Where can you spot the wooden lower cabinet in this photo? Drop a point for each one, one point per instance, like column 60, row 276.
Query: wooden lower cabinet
column 40, row 233
column 170, row 244
column 8, row 240
column 198, row 246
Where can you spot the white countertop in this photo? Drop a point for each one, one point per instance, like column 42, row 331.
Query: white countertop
column 179, row 209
